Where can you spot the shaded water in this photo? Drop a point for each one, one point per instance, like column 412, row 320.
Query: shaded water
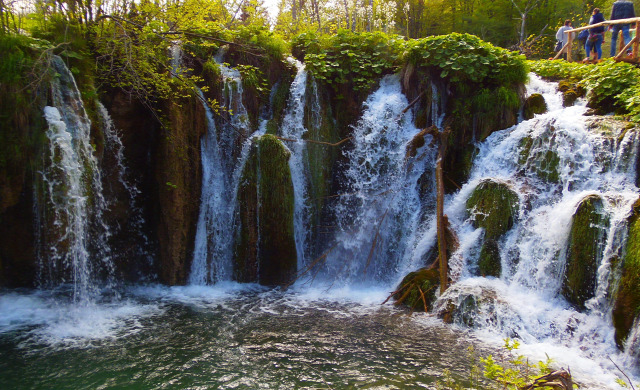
column 229, row 336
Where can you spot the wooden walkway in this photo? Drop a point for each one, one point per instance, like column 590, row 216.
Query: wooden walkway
column 622, row 48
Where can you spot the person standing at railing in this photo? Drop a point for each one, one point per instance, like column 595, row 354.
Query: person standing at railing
column 622, row 9
column 563, row 38
column 596, row 34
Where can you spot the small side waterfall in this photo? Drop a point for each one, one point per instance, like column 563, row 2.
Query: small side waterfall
column 224, row 150
column 293, row 128
column 72, row 243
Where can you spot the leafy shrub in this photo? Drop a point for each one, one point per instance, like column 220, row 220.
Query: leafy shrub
column 510, row 371
column 463, row 58
column 307, row 42
column 351, row 58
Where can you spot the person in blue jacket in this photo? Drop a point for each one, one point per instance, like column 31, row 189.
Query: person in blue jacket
column 622, row 9
column 596, row 34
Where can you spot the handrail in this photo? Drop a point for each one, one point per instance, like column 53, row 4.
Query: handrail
column 605, row 23
column 619, row 57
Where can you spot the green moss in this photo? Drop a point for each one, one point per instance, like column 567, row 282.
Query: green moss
column 569, row 98
column 280, row 97
column 245, row 264
column 265, row 248
column 489, row 263
column 586, row 239
column 626, row 307
column 525, row 148
column 418, row 289
column 538, row 157
column 494, row 206
column 534, row 105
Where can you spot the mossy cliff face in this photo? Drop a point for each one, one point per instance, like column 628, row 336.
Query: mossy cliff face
column 178, row 178
column 265, row 246
column 626, row 307
column 140, row 134
column 22, row 139
column 494, row 207
column 534, row 105
column 472, row 112
column 17, row 236
column 589, row 227
column 321, row 162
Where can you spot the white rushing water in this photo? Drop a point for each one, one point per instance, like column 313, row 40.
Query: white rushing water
column 72, row 243
column 380, row 212
column 293, row 128
column 224, row 151
column 525, row 301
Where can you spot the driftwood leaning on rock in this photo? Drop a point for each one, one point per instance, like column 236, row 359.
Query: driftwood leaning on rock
column 560, row 379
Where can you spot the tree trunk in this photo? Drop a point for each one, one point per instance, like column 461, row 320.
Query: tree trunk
column 440, row 219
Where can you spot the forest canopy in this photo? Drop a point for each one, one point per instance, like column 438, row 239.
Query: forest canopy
column 528, row 25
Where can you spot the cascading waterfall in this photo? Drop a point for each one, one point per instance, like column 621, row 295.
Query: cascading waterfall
column 381, row 210
column 293, row 128
column 73, row 237
column 222, row 165
column 525, row 301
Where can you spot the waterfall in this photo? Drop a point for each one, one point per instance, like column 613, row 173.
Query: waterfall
column 224, row 150
column 293, row 128
column 525, row 301
column 379, row 214
column 72, row 240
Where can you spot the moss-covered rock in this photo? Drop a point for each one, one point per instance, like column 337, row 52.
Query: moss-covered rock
column 626, row 307
column 586, row 240
column 538, row 157
column 533, row 105
column 489, row 263
column 265, row 246
column 569, row 98
column 494, row 207
column 418, row 289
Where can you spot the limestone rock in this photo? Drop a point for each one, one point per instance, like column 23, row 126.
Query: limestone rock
column 626, row 308
column 533, row 105
column 494, row 207
column 265, row 246
column 586, row 240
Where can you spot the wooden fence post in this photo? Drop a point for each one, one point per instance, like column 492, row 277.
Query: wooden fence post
column 569, row 46
column 637, row 38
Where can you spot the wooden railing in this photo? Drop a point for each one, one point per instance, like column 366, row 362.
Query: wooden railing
column 621, row 56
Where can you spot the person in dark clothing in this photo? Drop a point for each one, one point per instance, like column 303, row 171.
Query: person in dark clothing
column 622, row 9
column 596, row 34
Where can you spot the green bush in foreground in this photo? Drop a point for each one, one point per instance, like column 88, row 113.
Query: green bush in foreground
column 511, row 371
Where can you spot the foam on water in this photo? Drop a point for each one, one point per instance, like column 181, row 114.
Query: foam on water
column 53, row 321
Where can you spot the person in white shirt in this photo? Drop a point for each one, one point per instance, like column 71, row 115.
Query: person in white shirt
column 563, row 38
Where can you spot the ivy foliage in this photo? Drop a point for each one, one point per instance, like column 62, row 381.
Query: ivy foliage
column 465, row 58
column 610, row 85
column 510, row 371
column 349, row 58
